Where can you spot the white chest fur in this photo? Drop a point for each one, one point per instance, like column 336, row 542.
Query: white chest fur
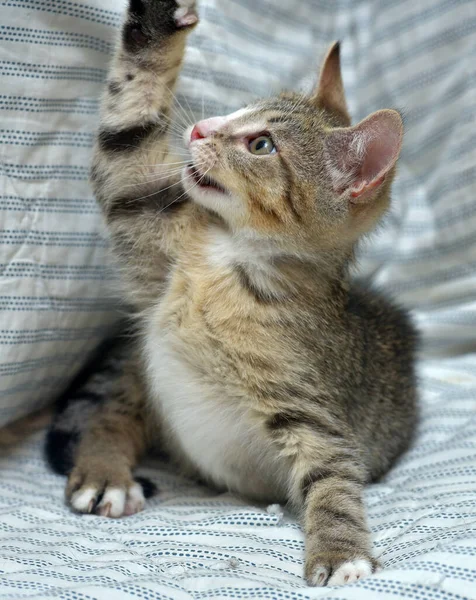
column 216, row 434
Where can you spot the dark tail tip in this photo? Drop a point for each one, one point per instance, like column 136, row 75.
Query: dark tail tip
column 59, row 449
column 148, row 487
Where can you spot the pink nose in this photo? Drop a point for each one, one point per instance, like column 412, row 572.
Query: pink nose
column 196, row 134
column 206, row 128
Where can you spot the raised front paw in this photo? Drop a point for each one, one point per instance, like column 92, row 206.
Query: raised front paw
column 325, row 569
column 106, row 491
column 185, row 14
column 150, row 22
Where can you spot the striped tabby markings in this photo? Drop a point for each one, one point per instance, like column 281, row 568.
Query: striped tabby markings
column 288, row 194
column 320, row 474
column 129, row 138
column 162, row 202
column 296, row 418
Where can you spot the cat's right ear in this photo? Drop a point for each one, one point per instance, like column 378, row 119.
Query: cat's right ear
column 329, row 94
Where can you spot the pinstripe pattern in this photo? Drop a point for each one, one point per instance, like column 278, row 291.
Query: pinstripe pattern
column 56, row 301
column 191, row 542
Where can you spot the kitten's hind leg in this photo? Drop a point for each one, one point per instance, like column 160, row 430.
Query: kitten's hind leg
column 102, row 480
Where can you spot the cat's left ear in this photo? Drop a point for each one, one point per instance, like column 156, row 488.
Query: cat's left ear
column 359, row 159
column 329, row 93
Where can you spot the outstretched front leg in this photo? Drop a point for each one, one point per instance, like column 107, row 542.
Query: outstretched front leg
column 326, row 484
column 133, row 144
column 135, row 177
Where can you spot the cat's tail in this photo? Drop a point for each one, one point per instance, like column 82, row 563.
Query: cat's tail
column 78, row 405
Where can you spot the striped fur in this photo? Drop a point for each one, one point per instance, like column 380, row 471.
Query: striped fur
column 260, row 368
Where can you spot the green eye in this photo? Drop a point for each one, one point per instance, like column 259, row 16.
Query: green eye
column 262, row 145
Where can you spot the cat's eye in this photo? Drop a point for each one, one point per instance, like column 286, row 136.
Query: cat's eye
column 262, row 145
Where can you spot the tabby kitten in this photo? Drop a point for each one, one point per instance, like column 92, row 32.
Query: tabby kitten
column 260, row 368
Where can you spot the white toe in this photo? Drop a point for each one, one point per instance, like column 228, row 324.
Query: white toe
column 135, row 500
column 320, row 577
column 83, row 500
column 350, row 572
column 113, row 503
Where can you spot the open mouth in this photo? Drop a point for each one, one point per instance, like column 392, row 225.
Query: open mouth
column 204, row 182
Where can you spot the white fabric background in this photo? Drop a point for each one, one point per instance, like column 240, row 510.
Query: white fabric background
column 56, row 302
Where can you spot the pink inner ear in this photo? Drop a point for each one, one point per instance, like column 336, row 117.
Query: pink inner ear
column 359, row 158
column 383, row 137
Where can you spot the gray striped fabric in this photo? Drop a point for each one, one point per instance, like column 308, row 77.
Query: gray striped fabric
column 191, row 543
column 57, row 300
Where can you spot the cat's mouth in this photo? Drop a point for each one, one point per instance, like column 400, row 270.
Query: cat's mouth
column 203, row 181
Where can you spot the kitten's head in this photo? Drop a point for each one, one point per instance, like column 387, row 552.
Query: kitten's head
column 292, row 169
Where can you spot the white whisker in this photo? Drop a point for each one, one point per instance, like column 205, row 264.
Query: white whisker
column 185, row 192
column 155, row 192
column 185, row 115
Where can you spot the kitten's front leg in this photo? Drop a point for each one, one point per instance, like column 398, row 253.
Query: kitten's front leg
column 327, row 481
column 132, row 157
column 135, row 177
column 337, row 539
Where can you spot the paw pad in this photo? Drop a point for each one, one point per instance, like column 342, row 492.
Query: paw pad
column 342, row 573
column 350, row 572
column 186, row 14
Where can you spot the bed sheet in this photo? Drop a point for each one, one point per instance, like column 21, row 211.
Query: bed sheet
column 192, row 543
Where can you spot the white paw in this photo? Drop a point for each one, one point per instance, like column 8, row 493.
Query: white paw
column 84, row 499
column 351, row 571
column 320, row 577
column 115, row 502
column 186, row 14
column 135, row 500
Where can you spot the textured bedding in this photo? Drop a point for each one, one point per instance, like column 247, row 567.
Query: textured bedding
column 57, row 299
column 193, row 543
